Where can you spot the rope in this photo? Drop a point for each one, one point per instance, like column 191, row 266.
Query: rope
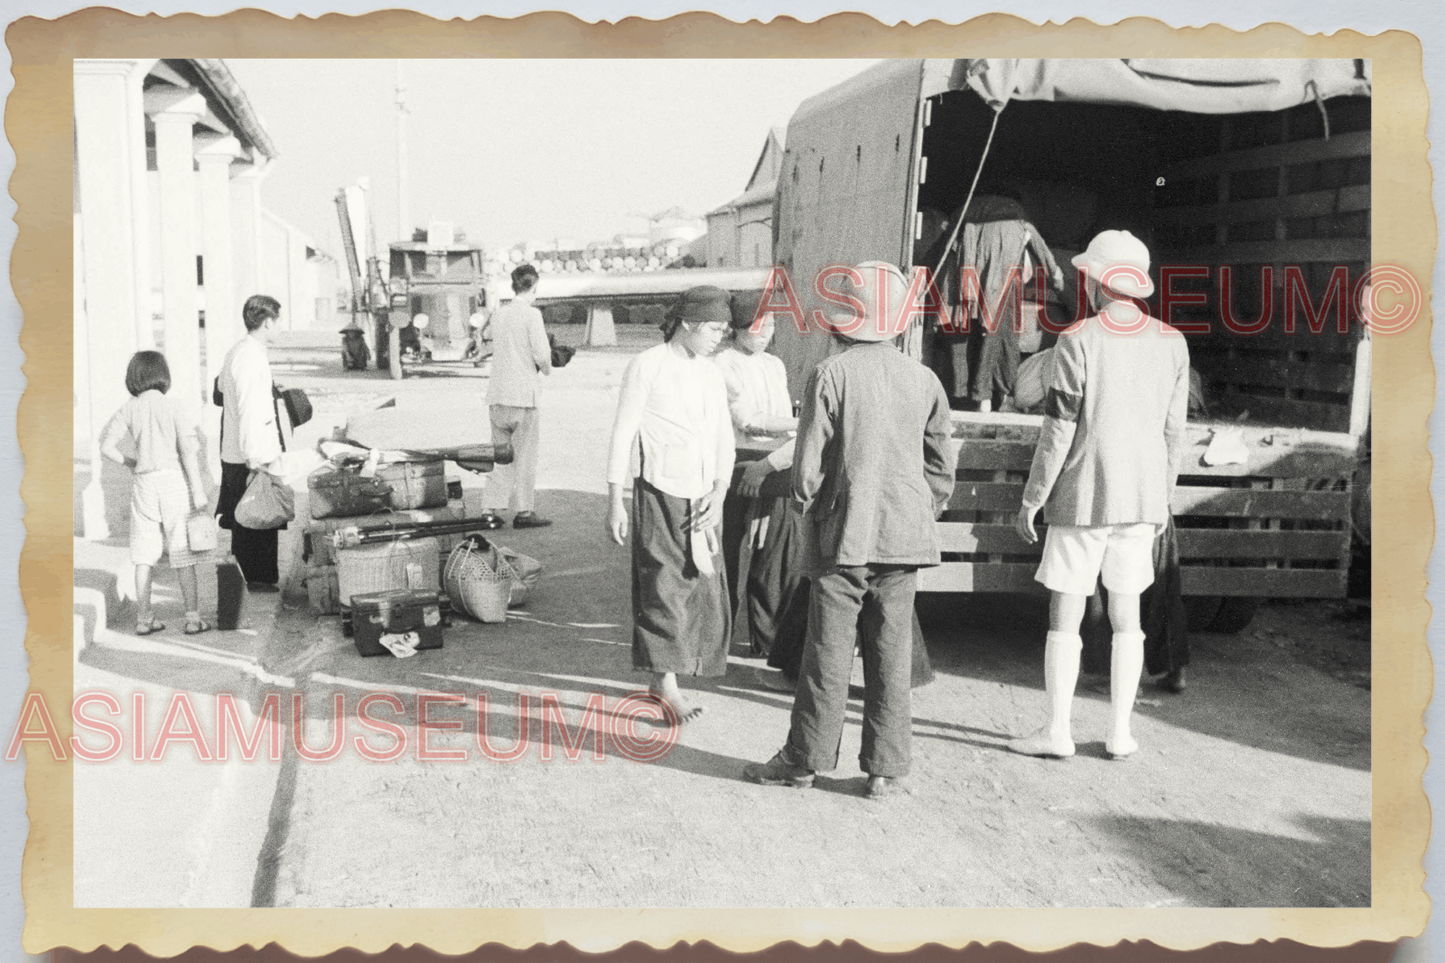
column 953, row 238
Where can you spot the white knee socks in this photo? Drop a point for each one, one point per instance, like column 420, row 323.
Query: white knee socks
column 1061, row 674
column 1125, row 666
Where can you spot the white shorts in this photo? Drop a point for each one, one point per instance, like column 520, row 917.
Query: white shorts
column 160, row 502
column 1075, row 557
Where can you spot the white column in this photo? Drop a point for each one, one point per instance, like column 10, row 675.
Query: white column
column 214, row 154
column 246, row 224
column 109, row 142
column 174, row 111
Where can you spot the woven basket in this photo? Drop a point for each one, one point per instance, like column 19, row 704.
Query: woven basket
column 479, row 580
column 383, row 567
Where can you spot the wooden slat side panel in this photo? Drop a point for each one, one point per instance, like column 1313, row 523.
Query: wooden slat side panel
column 1263, row 582
column 1355, row 197
column 1253, row 503
column 1206, row 543
column 978, row 454
column 986, row 496
column 1334, row 250
column 1319, row 415
column 1325, row 374
column 1287, row 463
column 983, row 537
column 979, row 577
column 1353, row 144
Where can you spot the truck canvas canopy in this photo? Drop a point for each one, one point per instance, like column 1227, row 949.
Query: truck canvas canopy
column 850, row 184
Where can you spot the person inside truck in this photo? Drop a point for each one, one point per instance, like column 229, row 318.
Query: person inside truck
column 674, row 406
column 997, row 237
column 871, row 473
column 1108, row 456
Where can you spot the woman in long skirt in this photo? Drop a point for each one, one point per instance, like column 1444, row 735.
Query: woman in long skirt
column 674, row 406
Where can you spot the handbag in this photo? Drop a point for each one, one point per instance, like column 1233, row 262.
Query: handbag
column 201, row 531
column 267, row 503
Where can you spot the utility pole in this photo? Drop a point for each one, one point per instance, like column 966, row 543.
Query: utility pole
column 403, row 216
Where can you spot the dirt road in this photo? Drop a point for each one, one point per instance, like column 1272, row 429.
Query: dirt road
column 1251, row 789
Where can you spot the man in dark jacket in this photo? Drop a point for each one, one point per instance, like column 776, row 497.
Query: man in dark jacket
column 872, row 473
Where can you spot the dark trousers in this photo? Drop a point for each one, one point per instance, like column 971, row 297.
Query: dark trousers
column 255, row 549
column 874, row 604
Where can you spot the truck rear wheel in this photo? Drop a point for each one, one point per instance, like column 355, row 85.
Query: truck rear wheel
column 1234, row 615
column 1200, row 610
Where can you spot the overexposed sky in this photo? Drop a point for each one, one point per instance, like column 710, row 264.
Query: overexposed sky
column 517, row 150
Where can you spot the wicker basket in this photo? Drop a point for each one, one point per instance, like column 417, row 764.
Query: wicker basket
column 479, row 580
column 387, row 566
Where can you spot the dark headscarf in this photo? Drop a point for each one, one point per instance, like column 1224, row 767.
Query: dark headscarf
column 704, row 304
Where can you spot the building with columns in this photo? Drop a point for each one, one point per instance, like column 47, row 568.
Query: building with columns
column 170, row 239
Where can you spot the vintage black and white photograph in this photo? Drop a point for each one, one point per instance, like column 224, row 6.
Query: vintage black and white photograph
column 723, row 483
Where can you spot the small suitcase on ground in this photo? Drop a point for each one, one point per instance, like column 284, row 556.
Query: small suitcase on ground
column 230, row 594
column 388, row 566
column 415, row 484
column 398, row 613
column 343, row 492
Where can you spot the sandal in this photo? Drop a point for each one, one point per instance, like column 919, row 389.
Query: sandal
column 197, row 626
column 148, row 626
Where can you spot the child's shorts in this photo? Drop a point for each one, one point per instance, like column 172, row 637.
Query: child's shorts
column 160, row 502
column 1075, row 557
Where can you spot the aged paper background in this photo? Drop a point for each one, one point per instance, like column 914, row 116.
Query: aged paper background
column 1404, row 230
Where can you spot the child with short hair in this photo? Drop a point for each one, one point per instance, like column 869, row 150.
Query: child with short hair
column 167, row 484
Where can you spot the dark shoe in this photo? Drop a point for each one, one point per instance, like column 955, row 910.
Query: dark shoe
column 777, row 771
column 530, row 520
column 882, row 787
column 490, row 520
column 1174, row 681
column 264, row 587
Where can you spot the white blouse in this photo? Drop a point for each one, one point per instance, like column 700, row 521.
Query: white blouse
column 677, row 407
column 757, row 386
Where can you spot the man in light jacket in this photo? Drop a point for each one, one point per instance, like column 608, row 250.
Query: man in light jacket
column 253, row 438
column 1109, row 452
column 872, row 473
column 521, row 356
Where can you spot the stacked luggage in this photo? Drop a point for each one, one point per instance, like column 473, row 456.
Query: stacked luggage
column 381, row 525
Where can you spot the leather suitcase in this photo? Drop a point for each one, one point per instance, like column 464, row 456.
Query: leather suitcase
column 375, row 614
column 415, row 484
column 343, row 492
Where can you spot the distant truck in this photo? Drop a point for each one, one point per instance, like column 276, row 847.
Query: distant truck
column 419, row 312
